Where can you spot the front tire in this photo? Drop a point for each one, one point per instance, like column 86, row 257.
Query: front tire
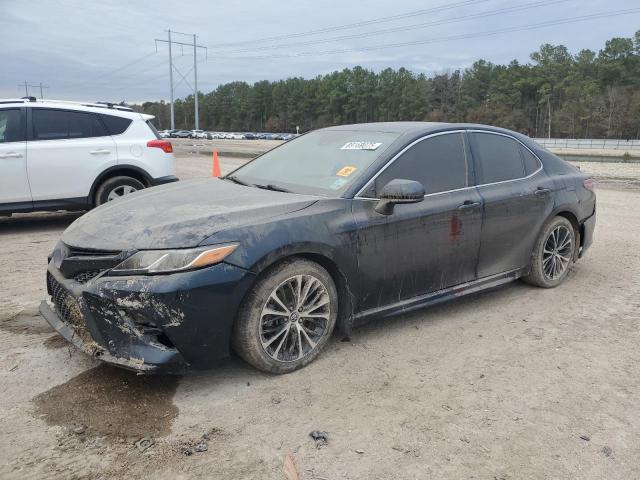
column 287, row 318
column 116, row 187
column 553, row 254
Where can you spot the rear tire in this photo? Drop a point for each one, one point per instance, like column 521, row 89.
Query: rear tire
column 553, row 254
column 287, row 318
column 116, row 187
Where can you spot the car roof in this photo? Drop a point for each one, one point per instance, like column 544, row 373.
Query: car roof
column 105, row 108
column 418, row 128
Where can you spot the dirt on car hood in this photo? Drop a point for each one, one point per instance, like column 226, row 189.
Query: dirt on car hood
column 178, row 215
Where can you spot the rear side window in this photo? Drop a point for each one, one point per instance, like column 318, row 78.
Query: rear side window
column 531, row 163
column 439, row 163
column 11, row 126
column 64, row 124
column 153, row 129
column 115, row 125
column 499, row 158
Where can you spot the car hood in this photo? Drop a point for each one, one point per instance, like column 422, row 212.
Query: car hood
column 178, row 215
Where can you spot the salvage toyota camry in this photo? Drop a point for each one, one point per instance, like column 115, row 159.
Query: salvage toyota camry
column 336, row 227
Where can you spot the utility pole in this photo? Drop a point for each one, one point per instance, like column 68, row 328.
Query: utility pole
column 172, row 67
column 195, row 81
column 26, row 88
column 549, row 105
column 173, row 121
column 41, row 87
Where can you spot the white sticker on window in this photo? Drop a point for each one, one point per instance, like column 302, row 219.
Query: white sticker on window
column 360, row 146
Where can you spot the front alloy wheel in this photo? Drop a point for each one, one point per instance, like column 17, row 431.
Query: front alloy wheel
column 294, row 318
column 287, row 317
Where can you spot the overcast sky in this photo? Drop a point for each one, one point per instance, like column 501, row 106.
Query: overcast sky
column 85, row 50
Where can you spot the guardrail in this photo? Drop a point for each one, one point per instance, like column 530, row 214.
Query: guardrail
column 590, row 143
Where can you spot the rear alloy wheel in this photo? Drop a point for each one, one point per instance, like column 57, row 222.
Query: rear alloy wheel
column 287, row 318
column 554, row 254
column 116, row 187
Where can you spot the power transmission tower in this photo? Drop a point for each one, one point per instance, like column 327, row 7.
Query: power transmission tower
column 195, row 46
column 27, row 86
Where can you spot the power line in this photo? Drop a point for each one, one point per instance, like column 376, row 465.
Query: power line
column 448, row 38
column 111, row 72
column 405, row 28
column 363, row 23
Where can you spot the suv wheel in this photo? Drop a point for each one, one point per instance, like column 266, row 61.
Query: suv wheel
column 287, row 318
column 116, row 187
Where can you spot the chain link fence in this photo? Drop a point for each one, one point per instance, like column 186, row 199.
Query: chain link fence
column 590, row 143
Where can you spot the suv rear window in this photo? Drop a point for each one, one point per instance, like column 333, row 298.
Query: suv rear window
column 50, row 124
column 115, row 125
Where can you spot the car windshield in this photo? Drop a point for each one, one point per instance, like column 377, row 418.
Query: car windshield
column 324, row 162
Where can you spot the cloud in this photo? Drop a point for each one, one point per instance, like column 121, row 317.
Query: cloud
column 106, row 50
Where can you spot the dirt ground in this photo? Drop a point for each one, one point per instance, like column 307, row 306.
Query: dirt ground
column 515, row 383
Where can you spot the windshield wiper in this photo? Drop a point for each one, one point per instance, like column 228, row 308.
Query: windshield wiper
column 235, row 180
column 271, row 186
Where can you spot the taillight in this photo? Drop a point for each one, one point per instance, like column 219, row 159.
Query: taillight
column 589, row 184
column 163, row 144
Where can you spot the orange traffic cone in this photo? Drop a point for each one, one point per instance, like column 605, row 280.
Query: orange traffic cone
column 216, row 164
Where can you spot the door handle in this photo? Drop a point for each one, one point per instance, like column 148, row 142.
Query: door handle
column 10, row 155
column 99, row 152
column 468, row 205
column 542, row 191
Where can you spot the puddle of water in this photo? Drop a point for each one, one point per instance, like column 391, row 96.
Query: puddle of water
column 113, row 403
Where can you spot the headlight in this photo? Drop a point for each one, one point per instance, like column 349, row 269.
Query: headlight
column 169, row 261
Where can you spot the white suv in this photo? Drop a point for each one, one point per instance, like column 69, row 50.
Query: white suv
column 70, row 156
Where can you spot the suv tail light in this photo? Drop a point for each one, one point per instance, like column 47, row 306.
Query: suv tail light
column 163, row 144
column 589, row 184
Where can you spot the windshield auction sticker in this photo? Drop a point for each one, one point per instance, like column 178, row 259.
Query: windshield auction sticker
column 360, row 146
column 346, row 171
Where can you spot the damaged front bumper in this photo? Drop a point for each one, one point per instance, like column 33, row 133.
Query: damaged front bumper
column 150, row 324
column 90, row 348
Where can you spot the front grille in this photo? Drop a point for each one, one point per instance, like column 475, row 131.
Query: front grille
column 82, row 264
column 87, row 252
column 84, row 277
column 66, row 305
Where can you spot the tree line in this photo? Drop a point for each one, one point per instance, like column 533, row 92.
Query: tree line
column 556, row 94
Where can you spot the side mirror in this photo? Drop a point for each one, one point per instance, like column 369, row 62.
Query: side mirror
column 399, row 191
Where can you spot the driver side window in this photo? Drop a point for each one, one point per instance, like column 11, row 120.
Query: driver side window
column 439, row 163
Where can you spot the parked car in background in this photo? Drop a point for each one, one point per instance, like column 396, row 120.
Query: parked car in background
column 333, row 228
column 198, row 134
column 164, row 133
column 181, row 134
column 74, row 156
